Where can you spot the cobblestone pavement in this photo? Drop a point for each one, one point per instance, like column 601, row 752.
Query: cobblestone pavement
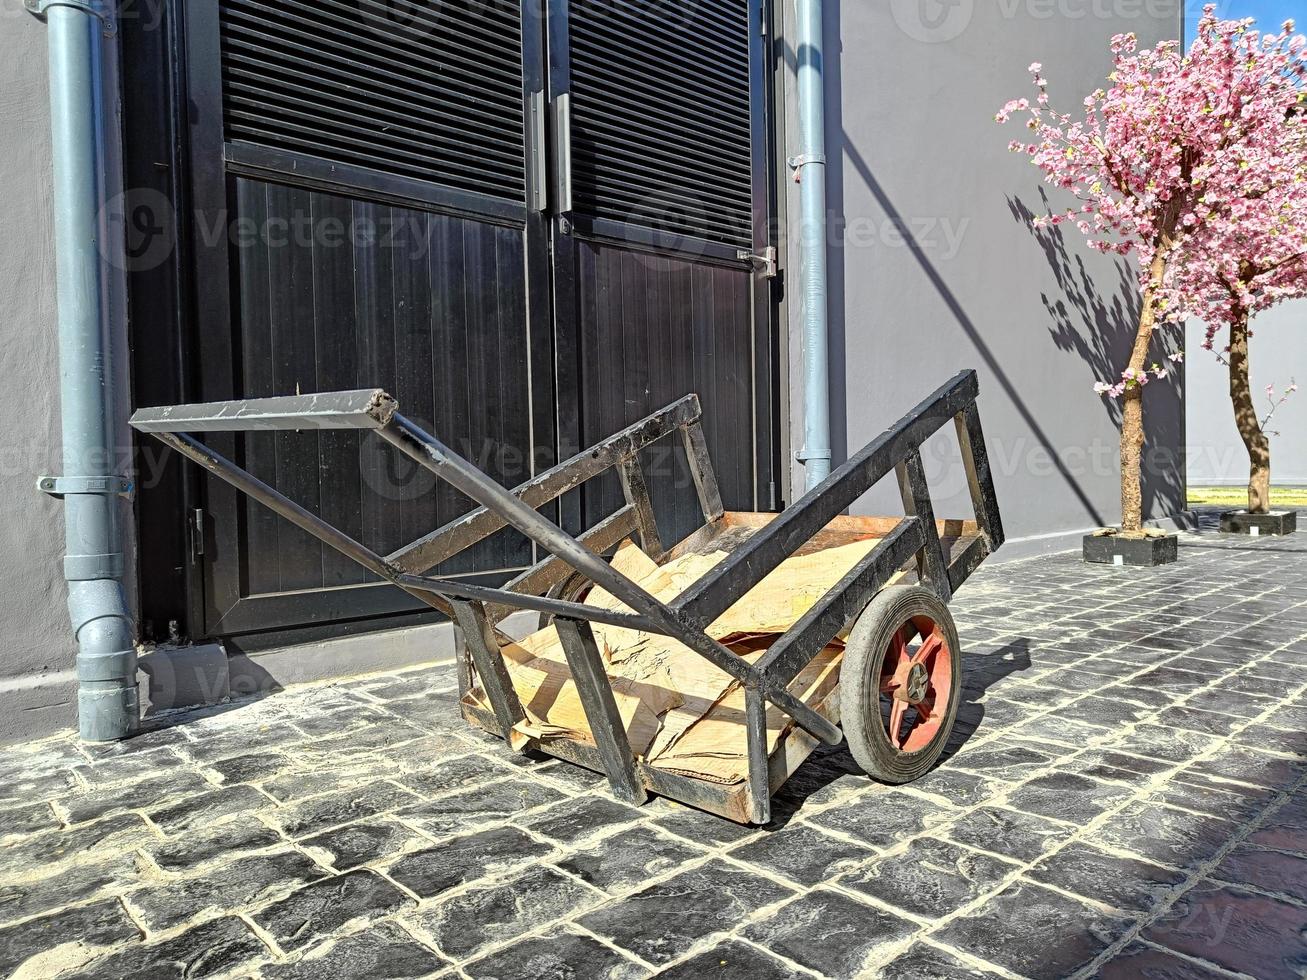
column 1125, row 798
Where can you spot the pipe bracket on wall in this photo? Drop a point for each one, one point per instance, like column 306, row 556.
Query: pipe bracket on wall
column 101, row 486
column 101, row 9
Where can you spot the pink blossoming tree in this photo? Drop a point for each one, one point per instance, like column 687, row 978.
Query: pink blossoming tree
column 1256, row 258
column 1154, row 163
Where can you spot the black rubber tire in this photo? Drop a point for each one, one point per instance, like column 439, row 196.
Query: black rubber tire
column 860, row 697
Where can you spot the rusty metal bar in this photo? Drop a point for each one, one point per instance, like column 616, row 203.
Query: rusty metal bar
column 458, row 535
column 636, row 492
column 542, row 604
column 702, row 472
column 544, row 575
column 367, row 409
column 755, row 724
column 433, row 592
column 488, row 658
column 596, row 692
column 980, row 480
column 931, row 568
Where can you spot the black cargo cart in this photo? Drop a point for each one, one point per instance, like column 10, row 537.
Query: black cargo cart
column 898, row 681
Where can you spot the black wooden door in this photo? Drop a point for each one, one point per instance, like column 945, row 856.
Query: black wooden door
column 403, row 195
column 365, row 217
column 663, row 198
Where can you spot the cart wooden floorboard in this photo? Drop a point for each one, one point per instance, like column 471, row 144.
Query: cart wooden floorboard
column 899, row 643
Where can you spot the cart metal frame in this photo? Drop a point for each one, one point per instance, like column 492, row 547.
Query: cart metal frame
column 477, row 610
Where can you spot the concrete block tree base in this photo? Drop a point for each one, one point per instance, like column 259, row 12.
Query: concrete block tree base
column 1277, row 522
column 1111, row 548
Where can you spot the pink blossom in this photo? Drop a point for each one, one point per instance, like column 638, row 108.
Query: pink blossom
column 1189, row 161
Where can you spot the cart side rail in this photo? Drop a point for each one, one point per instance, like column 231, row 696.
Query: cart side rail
column 896, row 449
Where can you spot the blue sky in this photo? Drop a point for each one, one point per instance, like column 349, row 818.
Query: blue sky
column 1270, row 14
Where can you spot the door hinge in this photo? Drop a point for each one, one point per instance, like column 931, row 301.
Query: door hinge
column 196, row 529
column 764, row 263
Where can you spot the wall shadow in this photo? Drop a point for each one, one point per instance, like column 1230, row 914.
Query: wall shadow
column 972, row 332
column 1097, row 322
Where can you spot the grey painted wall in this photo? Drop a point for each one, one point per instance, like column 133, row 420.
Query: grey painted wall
column 36, row 658
column 1216, row 455
column 934, row 267
column 37, row 684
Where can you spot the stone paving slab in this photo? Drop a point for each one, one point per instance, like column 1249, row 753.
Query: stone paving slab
column 1125, row 795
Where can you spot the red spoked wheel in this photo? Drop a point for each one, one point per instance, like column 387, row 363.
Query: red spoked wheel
column 901, row 684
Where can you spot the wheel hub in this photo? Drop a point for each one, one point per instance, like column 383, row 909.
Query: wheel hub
column 918, row 685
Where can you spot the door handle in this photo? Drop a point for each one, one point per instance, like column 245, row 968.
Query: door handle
column 563, row 152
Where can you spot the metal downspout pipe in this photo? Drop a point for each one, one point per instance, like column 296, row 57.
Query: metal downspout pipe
column 93, row 564
column 810, row 171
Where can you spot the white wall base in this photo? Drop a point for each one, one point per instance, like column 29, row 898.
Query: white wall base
column 1018, row 549
column 33, row 707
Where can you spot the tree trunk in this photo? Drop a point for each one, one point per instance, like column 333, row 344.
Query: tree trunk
column 1245, row 416
column 1132, row 411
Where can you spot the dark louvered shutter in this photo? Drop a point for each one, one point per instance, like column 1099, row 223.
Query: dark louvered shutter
column 426, row 91
column 661, row 115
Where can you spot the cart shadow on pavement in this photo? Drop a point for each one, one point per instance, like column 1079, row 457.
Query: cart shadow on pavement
column 980, row 673
column 831, row 768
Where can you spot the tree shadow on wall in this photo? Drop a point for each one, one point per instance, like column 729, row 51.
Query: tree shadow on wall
column 1096, row 318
